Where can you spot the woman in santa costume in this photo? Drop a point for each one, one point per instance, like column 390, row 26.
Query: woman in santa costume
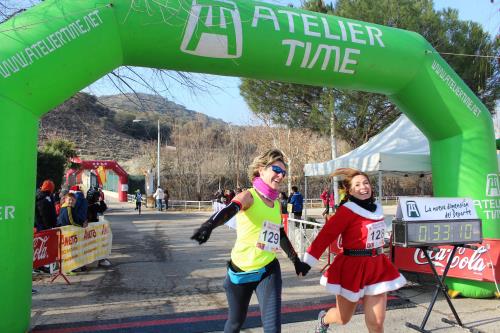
column 362, row 271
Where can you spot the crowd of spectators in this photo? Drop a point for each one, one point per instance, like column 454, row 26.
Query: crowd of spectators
column 55, row 209
column 225, row 196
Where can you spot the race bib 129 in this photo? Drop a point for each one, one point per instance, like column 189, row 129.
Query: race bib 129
column 269, row 238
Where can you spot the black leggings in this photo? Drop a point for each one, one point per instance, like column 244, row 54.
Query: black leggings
column 268, row 291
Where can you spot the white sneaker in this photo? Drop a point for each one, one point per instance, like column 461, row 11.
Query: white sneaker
column 104, row 263
column 320, row 327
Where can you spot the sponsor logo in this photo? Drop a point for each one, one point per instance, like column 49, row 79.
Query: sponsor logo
column 474, row 262
column 492, row 185
column 213, row 30
column 412, row 209
column 40, row 251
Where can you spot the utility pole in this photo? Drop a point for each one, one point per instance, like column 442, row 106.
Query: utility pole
column 237, row 162
column 157, row 153
column 333, row 142
column 158, row 157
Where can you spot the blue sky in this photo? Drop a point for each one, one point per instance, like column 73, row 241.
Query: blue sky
column 226, row 102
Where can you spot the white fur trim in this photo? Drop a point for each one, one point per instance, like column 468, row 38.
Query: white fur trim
column 382, row 287
column 373, row 289
column 310, row 260
column 378, row 214
column 336, row 289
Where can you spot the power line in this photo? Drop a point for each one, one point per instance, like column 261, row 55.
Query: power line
column 470, row 55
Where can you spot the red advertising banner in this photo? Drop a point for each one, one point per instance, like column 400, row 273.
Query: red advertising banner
column 479, row 265
column 45, row 247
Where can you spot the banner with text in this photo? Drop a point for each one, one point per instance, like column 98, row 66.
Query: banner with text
column 82, row 246
column 423, row 208
column 478, row 265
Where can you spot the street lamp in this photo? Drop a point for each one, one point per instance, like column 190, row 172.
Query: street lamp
column 157, row 153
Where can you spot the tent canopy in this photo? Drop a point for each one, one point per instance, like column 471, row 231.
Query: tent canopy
column 401, row 147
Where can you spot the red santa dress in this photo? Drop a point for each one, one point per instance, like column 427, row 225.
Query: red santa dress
column 355, row 276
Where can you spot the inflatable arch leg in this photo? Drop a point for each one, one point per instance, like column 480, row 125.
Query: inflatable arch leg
column 19, row 130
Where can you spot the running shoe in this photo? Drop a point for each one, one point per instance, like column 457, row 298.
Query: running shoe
column 104, row 263
column 320, row 327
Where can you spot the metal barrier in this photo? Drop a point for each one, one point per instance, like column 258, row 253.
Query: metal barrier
column 187, row 204
column 181, row 204
column 313, row 203
column 301, row 234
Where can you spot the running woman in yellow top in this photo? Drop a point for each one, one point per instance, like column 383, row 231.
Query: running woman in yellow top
column 253, row 265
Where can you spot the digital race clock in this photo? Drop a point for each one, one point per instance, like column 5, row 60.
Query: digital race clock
column 436, row 232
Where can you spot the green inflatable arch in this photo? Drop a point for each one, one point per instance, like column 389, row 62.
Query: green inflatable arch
column 55, row 49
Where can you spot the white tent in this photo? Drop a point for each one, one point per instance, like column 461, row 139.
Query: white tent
column 401, row 147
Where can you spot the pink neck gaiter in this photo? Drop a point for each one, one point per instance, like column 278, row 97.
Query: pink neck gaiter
column 264, row 189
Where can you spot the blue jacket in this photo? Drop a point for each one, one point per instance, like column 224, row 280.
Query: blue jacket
column 297, row 201
column 67, row 216
column 81, row 208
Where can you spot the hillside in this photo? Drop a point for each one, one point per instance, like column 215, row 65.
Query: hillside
column 144, row 103
column 102, row 127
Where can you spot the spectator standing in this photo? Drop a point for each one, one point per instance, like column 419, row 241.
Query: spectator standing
column 81, row 205
column 284, row 210
column 68, row 215
column 331, row 202
column 167, row 196
column 342, row 194
column 325, row 197
column 102, row 204
column 93, row 204
column 230, row 194
column 217, row 196
column 297, row 201
column 159, row 195
column 45, row 208
column 101, row 195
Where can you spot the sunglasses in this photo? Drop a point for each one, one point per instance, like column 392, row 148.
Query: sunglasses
column 278, row 170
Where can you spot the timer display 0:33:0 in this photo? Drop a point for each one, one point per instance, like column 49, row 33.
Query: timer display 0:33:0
column 443, row 231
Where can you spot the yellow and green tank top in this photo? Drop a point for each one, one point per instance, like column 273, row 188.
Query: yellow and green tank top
column 249, row 223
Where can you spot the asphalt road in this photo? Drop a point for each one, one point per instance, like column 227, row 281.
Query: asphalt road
column 161, row 281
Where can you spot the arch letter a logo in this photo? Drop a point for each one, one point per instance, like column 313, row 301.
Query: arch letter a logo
column 492, row 185
column 213, row 30
column 412, row 209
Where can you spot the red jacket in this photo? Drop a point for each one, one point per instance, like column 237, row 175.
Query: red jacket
column 328, row 200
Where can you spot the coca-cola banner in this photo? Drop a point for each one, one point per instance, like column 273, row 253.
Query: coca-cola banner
column 468, row 264
column 45, row 247
column 82, row 246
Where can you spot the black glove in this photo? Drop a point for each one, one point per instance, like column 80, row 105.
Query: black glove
column 301, row 268
column 202, row 234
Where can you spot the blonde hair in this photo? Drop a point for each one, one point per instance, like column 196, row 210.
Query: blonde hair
column 349, row 174
column 263, row 160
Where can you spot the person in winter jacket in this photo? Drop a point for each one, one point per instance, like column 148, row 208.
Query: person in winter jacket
column 159, row 195
column 81, row 206
column 67, row 215
column 45, row 209
column 297, row 201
